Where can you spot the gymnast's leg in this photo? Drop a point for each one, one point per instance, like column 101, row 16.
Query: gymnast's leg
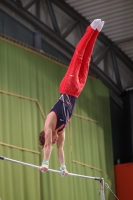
column 84, row 69
column 70, row 83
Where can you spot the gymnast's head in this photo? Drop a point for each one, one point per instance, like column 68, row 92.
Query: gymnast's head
column 42, row 139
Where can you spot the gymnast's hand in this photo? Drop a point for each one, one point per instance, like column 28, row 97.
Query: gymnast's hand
column 64, row 173
column 63, row 170
column 44, row 167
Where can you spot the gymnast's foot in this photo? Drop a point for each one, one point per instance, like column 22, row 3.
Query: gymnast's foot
column 100, row 26
column 95, row 23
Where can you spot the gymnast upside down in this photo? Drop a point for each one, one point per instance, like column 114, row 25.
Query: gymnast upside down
column 70, row 88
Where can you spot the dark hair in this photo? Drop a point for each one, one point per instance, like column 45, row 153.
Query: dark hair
column 42, row 139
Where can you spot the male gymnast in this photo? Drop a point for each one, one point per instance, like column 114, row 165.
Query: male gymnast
column 70, row 88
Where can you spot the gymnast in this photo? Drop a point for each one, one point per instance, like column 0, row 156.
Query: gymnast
column 70, row 88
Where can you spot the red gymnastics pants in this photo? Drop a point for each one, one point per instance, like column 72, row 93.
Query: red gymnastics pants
column 76, row 75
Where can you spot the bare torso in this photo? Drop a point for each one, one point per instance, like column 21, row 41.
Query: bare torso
column 50, row 123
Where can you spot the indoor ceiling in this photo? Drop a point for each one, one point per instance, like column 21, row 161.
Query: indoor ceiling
column 62, row 22
column 118, row 17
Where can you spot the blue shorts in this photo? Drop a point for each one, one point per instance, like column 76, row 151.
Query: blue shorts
column 64, row 109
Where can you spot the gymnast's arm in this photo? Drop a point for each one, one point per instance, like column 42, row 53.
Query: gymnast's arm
column 61, row 156
column 47, row 149
column 49, row 126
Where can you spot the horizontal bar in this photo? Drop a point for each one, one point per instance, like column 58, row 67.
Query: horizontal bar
column 50, row 170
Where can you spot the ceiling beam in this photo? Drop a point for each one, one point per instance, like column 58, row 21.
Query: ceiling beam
column 52, row 16
column 38, row 9
column 59, row 40
column 19, row 2
column 30, row 4
column 116, row 70
column 38, row 25
column 76, row 16
column 105, row 79
column 70, row 28
column 102, row 38
column 101, row 55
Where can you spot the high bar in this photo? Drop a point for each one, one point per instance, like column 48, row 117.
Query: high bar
column 50, row 170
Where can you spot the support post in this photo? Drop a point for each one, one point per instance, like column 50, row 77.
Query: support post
column 102, row 189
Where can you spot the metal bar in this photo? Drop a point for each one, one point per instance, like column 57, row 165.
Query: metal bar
column 50, row 170
column 116, row 69
column 101, row 56
column 38, row 9
column 105, row 61
column 105, row 79
column 60, row 41
column 19, row 2
column 86, row 165
column 102, row 189
column 38, row 25
column 104, row 39
column 20, row 148
column 123, row 57
column 75, row 15
column 70, row 28
column 18, row 162
column 52, row 16
column 37, row 40
column 82, row 28
column 30, row 4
